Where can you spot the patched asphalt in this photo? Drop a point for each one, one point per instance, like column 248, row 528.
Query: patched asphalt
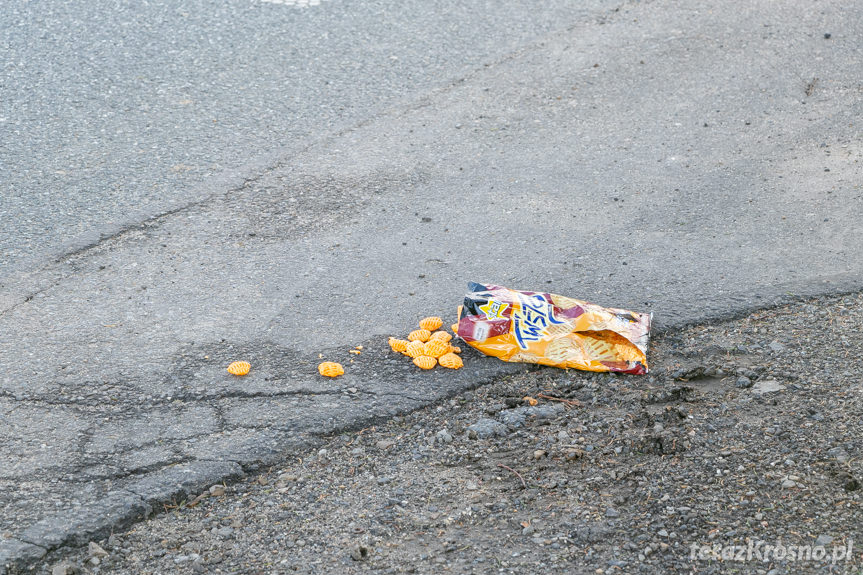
column 697, row 163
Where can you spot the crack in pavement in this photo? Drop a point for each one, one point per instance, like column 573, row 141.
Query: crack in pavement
column 257, row 394
column 536, row 185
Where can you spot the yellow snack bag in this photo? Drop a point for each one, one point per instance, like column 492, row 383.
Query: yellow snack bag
column 537, row 327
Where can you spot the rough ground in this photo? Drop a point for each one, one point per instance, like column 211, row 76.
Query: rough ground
column 747, row 430
column 688, row 159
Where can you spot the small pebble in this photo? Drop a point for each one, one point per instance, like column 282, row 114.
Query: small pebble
column 443, row 436
column 744, row 382
column 824, row 540
column 95, row 550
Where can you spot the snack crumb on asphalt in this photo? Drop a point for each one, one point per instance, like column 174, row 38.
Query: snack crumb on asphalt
column 239, row 368
column 331, row 369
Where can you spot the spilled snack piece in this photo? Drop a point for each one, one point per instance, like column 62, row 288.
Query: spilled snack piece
column 239, row 368
column 549, row 329
column 451, row 360
column 428, row 347
column 415, row 349
column 441, row 335
column 422, row 335
column 398, row 344
column 431, row 323
column 530, row 401
column 425, row 362
column 436, row 348
column 331, row 369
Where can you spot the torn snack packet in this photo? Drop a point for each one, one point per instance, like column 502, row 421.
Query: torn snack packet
column 549, row 329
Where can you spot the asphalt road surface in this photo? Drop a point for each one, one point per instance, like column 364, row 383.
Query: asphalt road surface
column 110, row 115
column 186, row 188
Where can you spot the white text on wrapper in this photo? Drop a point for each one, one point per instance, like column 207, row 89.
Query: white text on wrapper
column 531, row 318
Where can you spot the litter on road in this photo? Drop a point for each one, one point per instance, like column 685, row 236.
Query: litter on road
column 528, row 327
column 331, row 369
column 549, row 329
column 239, row 368
column 429, row 347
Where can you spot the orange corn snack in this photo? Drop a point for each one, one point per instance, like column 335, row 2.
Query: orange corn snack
column 415, row 349
column 436, row 348
column 398, row 344
column 451, row 361
column 419, row 335
column 549, row 329
column 431, row 323
column 454, row 349
column 331, row 369
column 441, row 335
column 239, row 368
column 425, row 362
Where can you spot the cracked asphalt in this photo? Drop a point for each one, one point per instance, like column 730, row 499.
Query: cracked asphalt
column 697, row 162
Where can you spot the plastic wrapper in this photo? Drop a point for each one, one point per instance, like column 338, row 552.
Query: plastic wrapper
column 549, row 329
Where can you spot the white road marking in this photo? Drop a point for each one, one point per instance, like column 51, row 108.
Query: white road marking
column 296, row 3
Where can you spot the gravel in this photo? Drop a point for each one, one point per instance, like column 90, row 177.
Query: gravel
column 607, row 474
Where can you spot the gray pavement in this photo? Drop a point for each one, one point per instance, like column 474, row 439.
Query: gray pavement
column 111, row 116
column 695, row 161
